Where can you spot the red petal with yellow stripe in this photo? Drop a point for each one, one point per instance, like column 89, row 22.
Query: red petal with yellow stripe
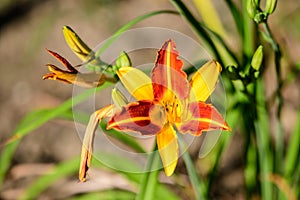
column 202, row 117
column 146, row 117
column 167, row 74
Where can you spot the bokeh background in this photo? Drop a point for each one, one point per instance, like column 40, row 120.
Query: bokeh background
column 27, row 27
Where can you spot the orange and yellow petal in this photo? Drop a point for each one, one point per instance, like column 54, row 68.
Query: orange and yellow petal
column 88, row 140
column 168, row 78
column 60, row 75
column 168, row 148
column 136, row 82
column 146, row 117
column 204, row 81
column 83, row 80
column 202, row 117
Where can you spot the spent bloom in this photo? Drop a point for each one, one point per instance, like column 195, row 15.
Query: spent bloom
column 72, row 75
column 166, row 103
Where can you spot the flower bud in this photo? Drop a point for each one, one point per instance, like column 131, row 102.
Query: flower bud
column 76, row 44
column 118, row 98
column 123, row 60
column 270, row 6
column 251, row 8
column 257, row 58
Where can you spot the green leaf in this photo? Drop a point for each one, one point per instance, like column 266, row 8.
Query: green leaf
column 150, row 177
column 293, row 148
column 61, row 170
column 160, row 192
column 124, row 138
column 198, row 186
column 129, row 25
column 34, row 120
column 232, row 120
column 198, row 28
column 263, row 141
column 237, row 16
column 107, row 195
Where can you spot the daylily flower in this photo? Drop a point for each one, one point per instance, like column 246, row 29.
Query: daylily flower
column 73, row 76
column 165, row 104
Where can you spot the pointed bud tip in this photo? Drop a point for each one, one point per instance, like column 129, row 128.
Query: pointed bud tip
column 226, row 127
column 66, row 27
column 217, row 64
column 48, row 76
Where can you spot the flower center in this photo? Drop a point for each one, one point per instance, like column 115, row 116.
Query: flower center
column 173, row 110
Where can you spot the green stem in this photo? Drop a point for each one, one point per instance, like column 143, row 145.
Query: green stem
column 96, row 64
column 262, row 132
column 150, row 178
column 129, row 25
column 279, row 138
column 247, row 39
column 185, row 12
column 197, row 185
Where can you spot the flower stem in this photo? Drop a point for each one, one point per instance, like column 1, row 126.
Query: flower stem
column 197, row 185
column 279, row 138
column 150, row 177
column 129, row 25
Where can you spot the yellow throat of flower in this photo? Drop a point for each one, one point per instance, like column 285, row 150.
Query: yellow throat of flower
column 172, row 106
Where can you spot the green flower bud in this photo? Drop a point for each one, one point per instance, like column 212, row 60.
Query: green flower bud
column 257, row 58
column 123, row 60
column 251, row 8
column 118, row 98
column 270, row 6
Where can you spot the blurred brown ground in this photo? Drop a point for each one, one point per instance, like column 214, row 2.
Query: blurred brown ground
column 31, row 29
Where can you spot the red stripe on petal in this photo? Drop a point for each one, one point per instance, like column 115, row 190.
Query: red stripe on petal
column 167, row 75
column 203, row 117
column 64, row 61
column 146, row 117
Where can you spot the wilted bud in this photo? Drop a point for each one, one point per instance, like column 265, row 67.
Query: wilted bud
column 77, row 45
column 72, row 76
column 123, row 60
column 257, row 58
column 270, row 6
column 118, row 98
